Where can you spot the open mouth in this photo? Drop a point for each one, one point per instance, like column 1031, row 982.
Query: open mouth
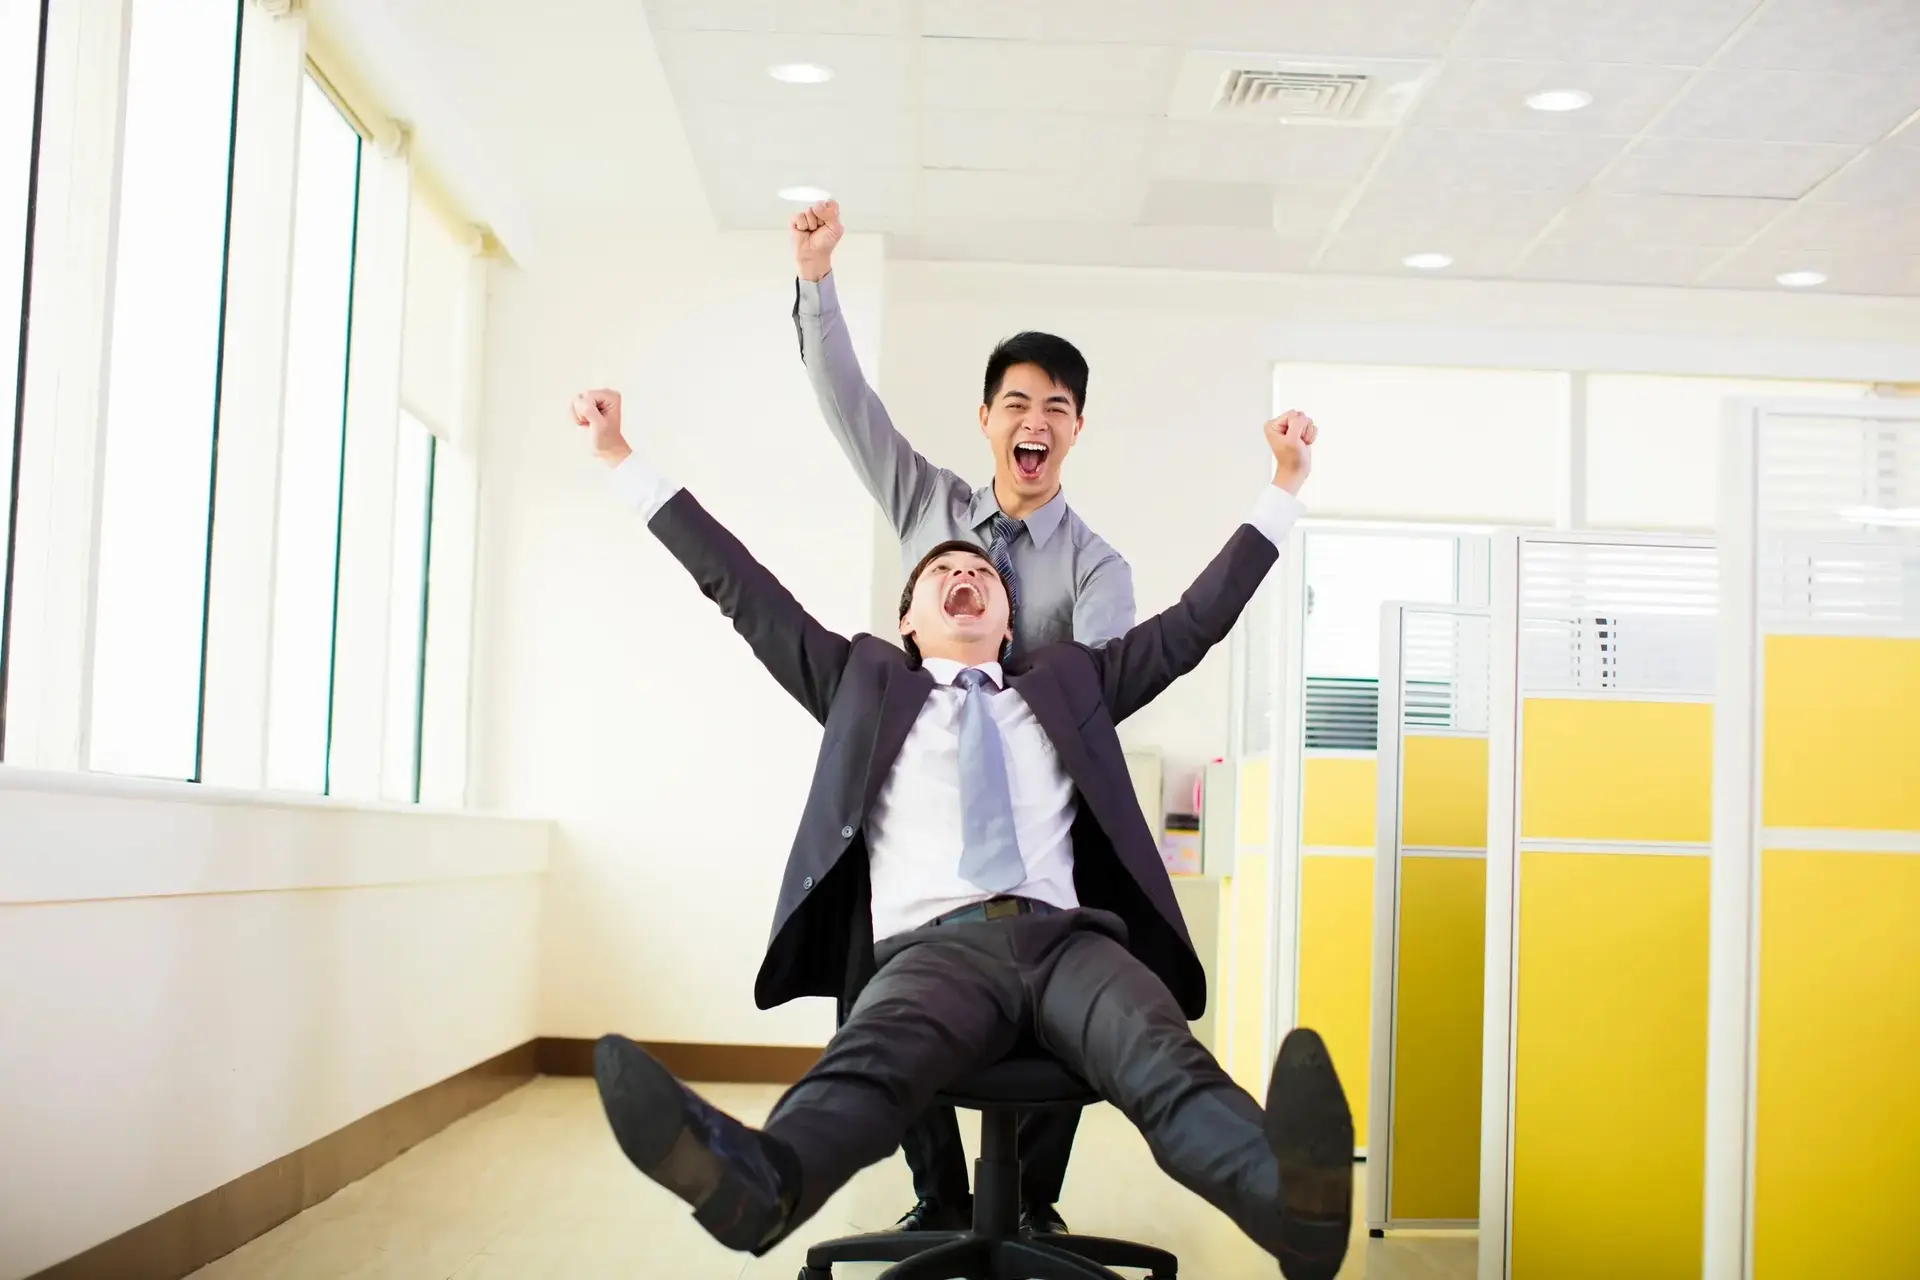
column 964, row 601
column 1029, row 460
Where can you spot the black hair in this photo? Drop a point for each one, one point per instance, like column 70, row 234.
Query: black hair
column 913, row 580
column 1055, row 357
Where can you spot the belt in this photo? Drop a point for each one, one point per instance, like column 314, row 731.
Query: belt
column 996, row 909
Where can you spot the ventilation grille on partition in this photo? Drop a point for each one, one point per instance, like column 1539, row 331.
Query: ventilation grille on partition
column 1838, row 510
column 1343, row 713
column 1617, row 618
column 1443, row 672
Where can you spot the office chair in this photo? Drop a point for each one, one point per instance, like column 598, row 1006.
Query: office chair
column 994, row 1249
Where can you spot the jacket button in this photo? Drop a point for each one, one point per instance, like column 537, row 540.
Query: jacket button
column 846, row 833
column 806, row 884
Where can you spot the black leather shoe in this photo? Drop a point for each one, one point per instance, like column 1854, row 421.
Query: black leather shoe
column 1310, row 1130
column 1041, row 1220
column 701, row 1154
column 931, row 1215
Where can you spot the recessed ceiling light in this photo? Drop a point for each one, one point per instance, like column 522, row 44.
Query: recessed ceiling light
column 1428, row 261
column 1560, row 100
column 801, row 73
column 805, row 195
column 1801, row 279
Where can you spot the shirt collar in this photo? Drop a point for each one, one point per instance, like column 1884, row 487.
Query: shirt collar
column 1040, row 525
column 945, row 671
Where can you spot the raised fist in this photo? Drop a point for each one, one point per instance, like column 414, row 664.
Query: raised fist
column 599, row 413
column 1291, row 437
column 815, row 232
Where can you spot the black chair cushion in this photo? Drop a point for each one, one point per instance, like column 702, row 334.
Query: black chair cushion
column 1020, row 1082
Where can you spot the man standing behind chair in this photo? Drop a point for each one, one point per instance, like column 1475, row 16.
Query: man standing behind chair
column 1065, row 581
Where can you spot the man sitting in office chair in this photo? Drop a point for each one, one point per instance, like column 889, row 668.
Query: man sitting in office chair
column 972, row 842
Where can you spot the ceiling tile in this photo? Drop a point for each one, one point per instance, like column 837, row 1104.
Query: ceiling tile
column 1874, row 271
column 1448, row 217
column 1186, row 248
column 1239, row 150
column 1208, row 204
column 1088, row 21
column 1351, row 28
column 849, row 17
column 1487, row 161
column 817, row 140
column 1790, row 106
column 1887, row 175
column 1097, row 79
column 990, row 194
column 1812, row 224
column 1354, row 253
column 1307, row 211
column 1821, row 35
column 725, row 66
column 1617, row 264
column 1492, row 95
column 1683, row 167
column 1646, row 32
column 1045, row 141
column 712, row 15
column 1707, row 222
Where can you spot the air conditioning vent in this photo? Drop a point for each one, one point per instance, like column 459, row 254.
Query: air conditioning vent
column 1286, row 89
column 1291, row 95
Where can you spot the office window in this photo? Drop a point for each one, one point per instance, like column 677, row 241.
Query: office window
column 407, row 619
column 19, row 97
column 313, row 433
column 1653, row 443
column 1416, row 443
column 1349, row 577
column 163, row 386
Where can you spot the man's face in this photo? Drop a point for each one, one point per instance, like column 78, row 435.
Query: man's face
column 959, row 609
column 1031, row 424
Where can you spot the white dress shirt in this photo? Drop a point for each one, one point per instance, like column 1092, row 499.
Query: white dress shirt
column 913, row 832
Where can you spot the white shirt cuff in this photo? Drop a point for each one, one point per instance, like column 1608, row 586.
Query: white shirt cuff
column 1275, row 513
column 640, row 488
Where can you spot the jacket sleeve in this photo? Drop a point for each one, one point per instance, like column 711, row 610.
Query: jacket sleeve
column 806, row 658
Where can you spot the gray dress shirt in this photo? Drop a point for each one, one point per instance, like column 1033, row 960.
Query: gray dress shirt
column 1073, row 586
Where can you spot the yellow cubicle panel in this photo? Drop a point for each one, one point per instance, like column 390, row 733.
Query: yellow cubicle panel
column 1610, row 1062
column 1836, row 1113
column 1440, row 987
column 1249, row 889
column 1335, row 988
column 1841, row 748
column 1443, row 792
column 1610, row 1011
column 1596, row 769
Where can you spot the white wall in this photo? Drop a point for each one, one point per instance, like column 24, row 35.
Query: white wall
column 194, row 983
column 1182, row 379
column 612, row 695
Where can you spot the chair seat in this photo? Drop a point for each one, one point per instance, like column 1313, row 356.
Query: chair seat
column 1027, row 1083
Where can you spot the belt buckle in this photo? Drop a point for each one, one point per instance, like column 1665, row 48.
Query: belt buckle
column 1001, row 908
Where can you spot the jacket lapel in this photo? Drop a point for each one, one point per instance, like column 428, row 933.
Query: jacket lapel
column 900, row 702
column 1049, row 706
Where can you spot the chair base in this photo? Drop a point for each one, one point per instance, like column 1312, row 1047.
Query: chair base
column 969, row 1255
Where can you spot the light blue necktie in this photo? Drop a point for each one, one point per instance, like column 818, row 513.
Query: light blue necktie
column 989, row 851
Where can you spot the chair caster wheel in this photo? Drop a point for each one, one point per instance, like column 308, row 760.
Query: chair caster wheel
column 816, row 1273
column 1377, row 1233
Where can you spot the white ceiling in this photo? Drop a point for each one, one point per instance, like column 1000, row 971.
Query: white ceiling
column 1728, row 140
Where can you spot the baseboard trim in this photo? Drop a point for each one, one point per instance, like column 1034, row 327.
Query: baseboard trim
column 184, row 1239
column 705, row 1063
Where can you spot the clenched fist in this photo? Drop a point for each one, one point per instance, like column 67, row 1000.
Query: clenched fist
column 815, row 232
column 599, row 413
column 1291, row 437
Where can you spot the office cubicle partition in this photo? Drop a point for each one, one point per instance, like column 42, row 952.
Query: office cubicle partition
column 1600, row 793
column 1429, row 918
column 1814, row 1122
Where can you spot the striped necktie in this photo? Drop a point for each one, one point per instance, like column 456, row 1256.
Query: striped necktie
column 1000, row 551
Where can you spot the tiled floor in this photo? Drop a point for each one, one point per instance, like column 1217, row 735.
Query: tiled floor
column 533, row 1187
